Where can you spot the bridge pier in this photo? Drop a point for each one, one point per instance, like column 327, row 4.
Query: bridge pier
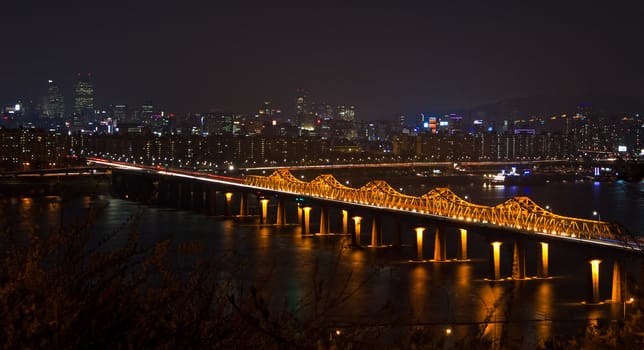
column 542, row 260
column 355, row 238
column 172, row 197
column 263, row 216
column 164, row 193
column 182, row 195
column 243, row 204
column 345, row 221
column 594, row 280
column 190, row 196
column 617, row 294
column 299, row 214
column 461, row 253
column 419, row 242
column 306, row 224
column 496, row 260
column 197, row 194
column 281, row 211
column 518, row 260
column 211, row 194
column 376, row 233
column 228, row 204
column 324, row 220
column 439, row 243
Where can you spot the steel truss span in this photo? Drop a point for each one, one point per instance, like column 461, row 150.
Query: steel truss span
column 520, row 213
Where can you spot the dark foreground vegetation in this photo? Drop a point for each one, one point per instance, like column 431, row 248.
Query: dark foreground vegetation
column 65, row 289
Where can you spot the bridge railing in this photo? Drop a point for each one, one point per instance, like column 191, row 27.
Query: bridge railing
column 520, row 213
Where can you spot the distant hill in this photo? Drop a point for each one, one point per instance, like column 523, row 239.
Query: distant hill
column 522, row 107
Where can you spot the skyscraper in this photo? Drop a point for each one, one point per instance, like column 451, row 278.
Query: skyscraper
column 301, row 108
column 55, row 102
column 119, row 112
column 346, row 113
column 84, row 102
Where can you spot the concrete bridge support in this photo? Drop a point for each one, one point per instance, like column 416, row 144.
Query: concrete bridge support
column 211, row 194
column 419, row 242
column 461, row 252
column 281, row 212
column 357, row 223
column 518, row 260
column 439, row 243
column 228, row 212
column 496, row 260
column 306, row 223
column 243, row 204
column 196, row 197
column 324, row 220
column 345, row 222
column 594, row 280
column 263, row 215
column 617, row 294
column 172, row 197
column 376, row 232
column 542, row 260
column 184, row 195
column 164, row 193
column 299, row 214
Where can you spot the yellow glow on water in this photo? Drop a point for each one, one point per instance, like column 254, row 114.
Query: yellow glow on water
column 418, row 290
column 27, row 203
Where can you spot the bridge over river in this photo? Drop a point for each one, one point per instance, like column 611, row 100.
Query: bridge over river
column 518, row 219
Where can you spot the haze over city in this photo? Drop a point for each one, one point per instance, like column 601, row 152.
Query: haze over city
column 387, row 60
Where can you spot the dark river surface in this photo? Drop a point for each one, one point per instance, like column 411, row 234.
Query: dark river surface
column 386, row 286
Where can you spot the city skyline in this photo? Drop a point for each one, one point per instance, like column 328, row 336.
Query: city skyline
column 386, row 61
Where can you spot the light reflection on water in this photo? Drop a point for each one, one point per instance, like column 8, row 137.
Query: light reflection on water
column 286, row 266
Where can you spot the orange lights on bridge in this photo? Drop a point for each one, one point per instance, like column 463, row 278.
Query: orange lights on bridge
column 519, row 213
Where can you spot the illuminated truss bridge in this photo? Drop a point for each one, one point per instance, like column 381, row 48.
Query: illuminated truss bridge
column 519, row 213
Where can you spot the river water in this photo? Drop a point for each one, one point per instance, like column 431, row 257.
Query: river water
column 386, row 286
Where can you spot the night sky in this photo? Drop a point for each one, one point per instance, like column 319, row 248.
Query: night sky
column 385, row 60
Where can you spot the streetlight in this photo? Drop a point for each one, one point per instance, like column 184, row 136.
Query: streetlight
column 597, row 214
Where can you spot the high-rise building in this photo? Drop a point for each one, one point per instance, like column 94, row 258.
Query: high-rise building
column 119, row 112
column 147, row 111
column 301, row 108
column 84, row 102
column 346, row 113
column 55, row 102
column 265, row 109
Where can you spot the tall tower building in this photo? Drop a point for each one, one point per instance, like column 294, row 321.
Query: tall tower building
column 119, row 112
column 84, row 102
column 301, row 108
column 346, row 113
column 55, row 102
